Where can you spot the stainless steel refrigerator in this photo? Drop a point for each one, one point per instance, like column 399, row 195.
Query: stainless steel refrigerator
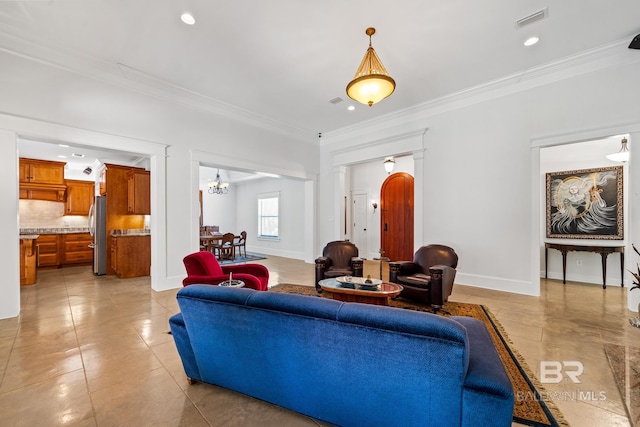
column 98, row 230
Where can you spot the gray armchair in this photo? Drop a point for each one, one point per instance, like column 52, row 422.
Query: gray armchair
column 429, row 278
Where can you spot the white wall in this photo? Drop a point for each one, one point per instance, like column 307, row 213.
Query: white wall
column 584, row 155
column 221, row 209
column 106, row 113
column 291, row 216
column 478, row 171
column 368, row 178
column 237, row 211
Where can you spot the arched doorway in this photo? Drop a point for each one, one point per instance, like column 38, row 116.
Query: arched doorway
column 396, row 217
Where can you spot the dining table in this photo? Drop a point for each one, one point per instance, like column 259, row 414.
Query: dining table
column 208, row 240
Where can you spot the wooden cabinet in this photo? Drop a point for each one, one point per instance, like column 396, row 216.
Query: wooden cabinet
column 42, row 180
column 131, row 256
column 75, row 248
column 48, row 250
column 139, row 192
column 60, row 250
column 28, row 275
column 41, row 171
column 79, row 198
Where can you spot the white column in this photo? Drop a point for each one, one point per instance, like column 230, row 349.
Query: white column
column 309, row 220
column 9, row 225
column 340, row 192
column 418, row 199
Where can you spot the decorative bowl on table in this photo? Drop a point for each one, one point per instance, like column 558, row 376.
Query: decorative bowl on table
column 233, row 283
column 365, row 284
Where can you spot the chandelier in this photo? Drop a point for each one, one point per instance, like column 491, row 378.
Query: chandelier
column 217, row 186
column 371, row 83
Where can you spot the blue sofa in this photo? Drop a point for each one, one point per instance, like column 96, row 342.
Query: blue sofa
column 345, row 363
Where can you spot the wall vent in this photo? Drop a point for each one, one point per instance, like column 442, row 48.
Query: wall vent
column 536, row 16
column 336, row 100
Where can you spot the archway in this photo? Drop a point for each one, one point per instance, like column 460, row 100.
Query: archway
column 396, row 217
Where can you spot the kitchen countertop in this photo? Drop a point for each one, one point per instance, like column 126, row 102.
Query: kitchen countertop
column 65, row 230
column 29, row 236
column 131, row 232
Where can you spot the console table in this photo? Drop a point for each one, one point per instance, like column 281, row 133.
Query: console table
column 604, row 251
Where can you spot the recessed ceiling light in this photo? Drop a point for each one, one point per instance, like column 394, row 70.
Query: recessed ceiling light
column 62, row 157
column 351, row 108
column 188, row 18
column 63, row 145
column 531, row 41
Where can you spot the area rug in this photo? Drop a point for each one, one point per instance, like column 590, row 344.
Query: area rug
column 251, row 256
column 530, row 407
column 625, row 365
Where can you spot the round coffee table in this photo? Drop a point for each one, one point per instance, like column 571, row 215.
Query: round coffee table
column 353, row 293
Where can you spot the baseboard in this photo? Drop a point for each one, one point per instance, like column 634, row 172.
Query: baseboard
column 498, row 284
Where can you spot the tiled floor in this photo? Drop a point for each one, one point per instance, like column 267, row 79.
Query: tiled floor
column 94, row 351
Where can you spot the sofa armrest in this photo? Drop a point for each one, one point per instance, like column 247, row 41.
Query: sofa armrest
column 487, row 394
column 249, row 280
column 257, row 270
column 448, row 276
column 402, row 268
column 183, row 344
column 323, row 261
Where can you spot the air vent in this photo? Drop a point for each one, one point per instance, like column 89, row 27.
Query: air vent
column 336, row 100
column 536, row 16
column 77, row 155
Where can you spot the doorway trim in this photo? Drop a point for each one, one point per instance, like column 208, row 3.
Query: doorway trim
column 408, row 143
column 537, row 187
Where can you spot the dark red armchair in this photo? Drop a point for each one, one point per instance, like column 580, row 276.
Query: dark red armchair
column 203, row 268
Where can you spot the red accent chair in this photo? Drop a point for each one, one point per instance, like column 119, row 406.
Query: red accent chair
column 203, row 268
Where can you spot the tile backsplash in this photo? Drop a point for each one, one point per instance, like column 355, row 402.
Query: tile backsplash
column 43, row 214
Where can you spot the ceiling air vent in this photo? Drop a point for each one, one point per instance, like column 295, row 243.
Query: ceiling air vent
column 536, row 16
column 336, row 100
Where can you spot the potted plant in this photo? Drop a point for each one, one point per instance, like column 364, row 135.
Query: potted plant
column 633, row 298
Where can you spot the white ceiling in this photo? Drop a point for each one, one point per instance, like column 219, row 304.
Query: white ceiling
column 285, row 59
column 282, row 61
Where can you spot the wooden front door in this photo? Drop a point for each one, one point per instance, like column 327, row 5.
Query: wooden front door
column 396, row 217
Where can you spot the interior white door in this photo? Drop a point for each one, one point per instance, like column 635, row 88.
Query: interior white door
column 359, row 216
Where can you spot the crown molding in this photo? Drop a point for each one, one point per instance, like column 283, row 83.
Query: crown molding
column 612, row 55
column 129, row 78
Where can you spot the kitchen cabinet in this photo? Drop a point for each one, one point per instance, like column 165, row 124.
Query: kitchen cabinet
column 139, row 192
column 79, row 198
column 42, row 180
column 61, row 250
column 41, row 171
column 114, row 183
column 48, row 250
column 75, row 248
column 131, row 256
column 28, row 273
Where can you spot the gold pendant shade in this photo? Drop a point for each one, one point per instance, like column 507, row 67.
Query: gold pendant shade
column 371, row 82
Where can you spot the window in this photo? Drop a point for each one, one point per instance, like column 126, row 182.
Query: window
column 268, row 215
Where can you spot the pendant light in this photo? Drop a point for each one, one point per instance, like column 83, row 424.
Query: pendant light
column 622, row 155
column 371, row 83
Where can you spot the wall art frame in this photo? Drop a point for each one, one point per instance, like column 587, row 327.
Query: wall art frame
column 585, row 204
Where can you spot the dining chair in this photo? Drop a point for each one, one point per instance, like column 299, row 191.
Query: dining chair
column 240, row 242
column 224, row 248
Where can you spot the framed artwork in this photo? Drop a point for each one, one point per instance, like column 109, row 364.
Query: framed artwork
column 585, row 204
